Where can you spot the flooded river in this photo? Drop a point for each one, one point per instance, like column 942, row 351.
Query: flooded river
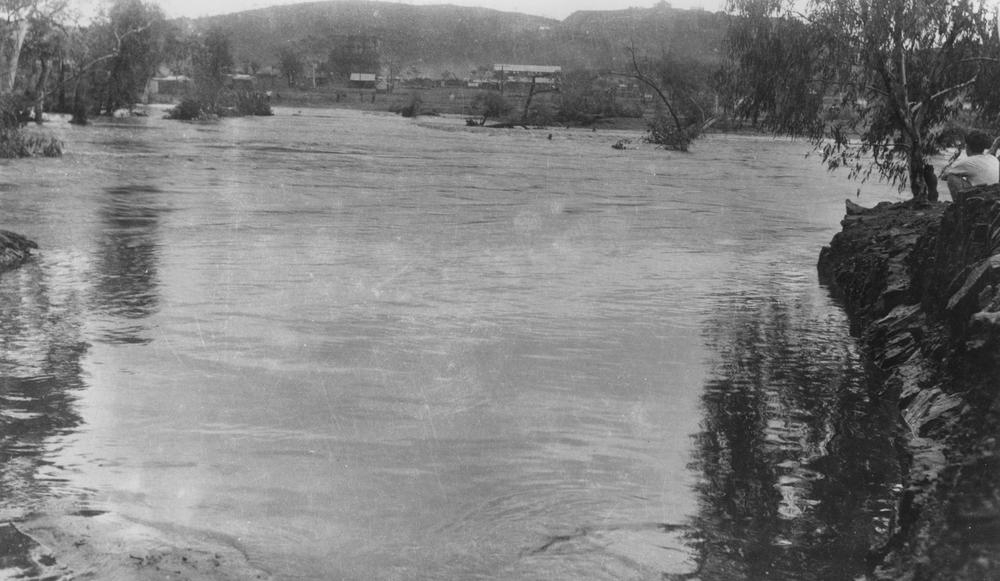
column 361, row 347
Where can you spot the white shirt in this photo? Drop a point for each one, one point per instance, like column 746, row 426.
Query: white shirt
column 980, row 170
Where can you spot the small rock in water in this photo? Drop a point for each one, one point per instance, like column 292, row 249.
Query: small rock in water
column 14, row 249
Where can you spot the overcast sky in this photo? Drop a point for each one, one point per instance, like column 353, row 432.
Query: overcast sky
column 558, row 9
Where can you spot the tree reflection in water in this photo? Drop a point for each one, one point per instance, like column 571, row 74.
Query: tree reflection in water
column 129, row 247
column 797, row 464
column 43, row 306
column 40, row 374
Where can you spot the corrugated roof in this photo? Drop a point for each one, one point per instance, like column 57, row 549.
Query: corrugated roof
column 549, row 69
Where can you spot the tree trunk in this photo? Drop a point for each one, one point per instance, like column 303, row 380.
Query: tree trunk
column 43, row 76
column 527, row 102
column 10, row 55
column 62, row 86
column 918, row 183
column 79, row 104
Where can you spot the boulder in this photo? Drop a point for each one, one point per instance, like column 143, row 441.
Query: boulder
column 15, row 249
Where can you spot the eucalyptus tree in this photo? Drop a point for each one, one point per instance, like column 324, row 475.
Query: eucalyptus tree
column 44, row 49
column 290, row 63
column 132, row 40
column 877, row 85
column 16, row 20
column 490, row 105
column 213, row 60
column 682, row 85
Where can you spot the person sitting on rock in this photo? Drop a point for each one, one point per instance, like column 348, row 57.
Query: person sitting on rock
column 977, row 168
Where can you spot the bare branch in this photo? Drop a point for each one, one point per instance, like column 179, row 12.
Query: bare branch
column 643, row 78
column 952, row 89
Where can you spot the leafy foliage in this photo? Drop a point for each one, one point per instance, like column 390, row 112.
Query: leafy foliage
column 14, row 141
column 490, row 105
column 212, row 61
column 354, row 54
column 228, row 103
column 877, row 85
column 254, row 103
column 290, row 64
column 663, row 132
column 585, row 96
column 682, row 88
column 188, row 110
column 413, row 107
column 18, row 18
column 215, row 94
column 133, row 37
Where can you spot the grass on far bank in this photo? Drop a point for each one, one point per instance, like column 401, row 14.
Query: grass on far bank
column 433, row 101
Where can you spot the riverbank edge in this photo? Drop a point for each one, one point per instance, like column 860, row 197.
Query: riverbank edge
column 921, row 286
column 15, row 250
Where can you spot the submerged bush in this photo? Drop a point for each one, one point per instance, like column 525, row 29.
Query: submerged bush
column 253, row 103
column 187, row 110
column 52, row 148
column 665, row 133
column 15, row 141
column 490, row 105
column 412, row 109
column 228, row 104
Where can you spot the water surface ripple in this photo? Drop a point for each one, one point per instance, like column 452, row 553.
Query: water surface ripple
column 365, row 347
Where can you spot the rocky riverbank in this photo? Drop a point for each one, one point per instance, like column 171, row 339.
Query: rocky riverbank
column 15, row 249
column 922, row 288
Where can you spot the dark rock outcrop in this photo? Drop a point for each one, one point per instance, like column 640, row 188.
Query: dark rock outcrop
column 922, row 287
column 14, row 249
column 23, row 557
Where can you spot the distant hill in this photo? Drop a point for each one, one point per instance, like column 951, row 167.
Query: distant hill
column 436, row 39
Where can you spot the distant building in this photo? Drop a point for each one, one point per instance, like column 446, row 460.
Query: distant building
column 241, row 82
column 547, row 70
column 168, row 88
column 363, row 80
column 519, row 76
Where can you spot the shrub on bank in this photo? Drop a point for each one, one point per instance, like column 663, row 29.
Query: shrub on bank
column 15, row 141
column 228, row 104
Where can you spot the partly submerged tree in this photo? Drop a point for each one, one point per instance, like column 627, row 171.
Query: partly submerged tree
column 290, row 63
column 213, row 60
column 22, row 23
column 217, row 92
column 490, row 105
column 875, row 84
column 681, row 86
column 44, row 49
column 133, row 41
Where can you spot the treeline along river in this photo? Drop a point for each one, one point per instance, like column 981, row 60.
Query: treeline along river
column 356, row 346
